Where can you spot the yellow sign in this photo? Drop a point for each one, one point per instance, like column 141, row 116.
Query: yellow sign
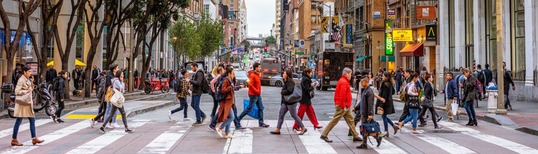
column 325, row 24
column 402, row 35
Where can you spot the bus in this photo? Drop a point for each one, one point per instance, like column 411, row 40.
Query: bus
column 270, row 67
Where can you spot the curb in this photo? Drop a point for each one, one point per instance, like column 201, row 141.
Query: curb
column 528, row 130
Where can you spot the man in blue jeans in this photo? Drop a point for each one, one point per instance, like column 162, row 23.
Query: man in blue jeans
column 254, row 93
column 197, row 83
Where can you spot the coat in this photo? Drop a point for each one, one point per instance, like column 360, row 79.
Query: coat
column 469, row 88
column 287, row 89
column 254, row 84
column 306, row 84
column 24, row 111
column 342, row 94
column 197, row 81
column 367, row 103
column 386, row 92
column 226, row 104
column 60, row 93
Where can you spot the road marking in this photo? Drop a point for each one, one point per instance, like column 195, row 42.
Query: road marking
column 49, row 138
column 24, row 127
column 165, row 141
column 387, row 148
column 313, row 144
column 102, row 141
column 241, row 143
column 516, row 147
column 442, row 143
column 86, row 116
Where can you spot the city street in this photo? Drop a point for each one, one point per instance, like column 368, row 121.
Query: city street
column 155, row 133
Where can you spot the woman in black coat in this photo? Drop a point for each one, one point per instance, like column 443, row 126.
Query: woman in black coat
column 285, row 106
column 427, row 103
column 306, row 103
column 386, row 91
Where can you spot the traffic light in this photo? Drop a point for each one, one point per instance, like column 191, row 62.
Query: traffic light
column 265, row 48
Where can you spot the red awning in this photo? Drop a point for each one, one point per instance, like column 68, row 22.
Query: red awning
column 413, row 50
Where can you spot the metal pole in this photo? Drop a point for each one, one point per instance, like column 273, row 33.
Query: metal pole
column 500, row 70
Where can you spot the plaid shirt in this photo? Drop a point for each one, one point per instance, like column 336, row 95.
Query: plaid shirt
column 185, row 90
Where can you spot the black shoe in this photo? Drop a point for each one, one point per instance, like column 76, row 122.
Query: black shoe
column 422, row 125
column 198, row 123
column 439, row 119
column 438, row 127
column 129, row 130
column 326, row 139
column 102, row 129
column 275, row 132
column 239, row 128
column 264, row 125
column 470, row 123
column 475, row 123
column 53, row 118
column 60, row 120
column 349, row 134
column 357, row 139
column 378, row 139
column 362, row 146
column 203, row 118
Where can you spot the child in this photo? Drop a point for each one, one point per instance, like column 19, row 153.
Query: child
column 182, row 95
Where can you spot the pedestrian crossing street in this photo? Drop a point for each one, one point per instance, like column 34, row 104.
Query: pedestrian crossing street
column 76, row 137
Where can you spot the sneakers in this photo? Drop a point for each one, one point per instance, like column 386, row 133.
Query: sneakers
column 264, row 125
column 439, row 119
column 92, row 122
column 102, row 130
column 109, row 126
column 219, row 132
column 129, row 130
column 115, row 125
column 212, row 128
column 169, row 115
column 59, row 120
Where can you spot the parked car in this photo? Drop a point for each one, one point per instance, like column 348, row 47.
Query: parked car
column 242, row 78
column 277, row 80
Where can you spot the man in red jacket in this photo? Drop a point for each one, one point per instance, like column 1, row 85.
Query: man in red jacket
column 254, row 93
column 342, row 103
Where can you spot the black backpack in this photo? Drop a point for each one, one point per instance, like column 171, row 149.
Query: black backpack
column 219, row 96
column 178, row 85
column 205, row 85
column 55, row 84
column 480, row 75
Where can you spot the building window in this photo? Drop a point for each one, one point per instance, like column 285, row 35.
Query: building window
column 361, row 17
column 518, row 39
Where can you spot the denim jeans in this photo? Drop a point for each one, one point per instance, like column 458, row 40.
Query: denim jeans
column 107, row 112
column 507, row 104
column 413, row 115
column 386, row 121
column 469, row 107
column 18, row 123
column 398, row 84
column 236, row 121
column 182, row 106
column 196, row 106
column 254, row 100
column 228, row 122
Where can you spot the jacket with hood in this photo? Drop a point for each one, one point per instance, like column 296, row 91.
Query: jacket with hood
column 254, row 85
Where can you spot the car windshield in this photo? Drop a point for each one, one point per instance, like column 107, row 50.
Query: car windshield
column 241, row 75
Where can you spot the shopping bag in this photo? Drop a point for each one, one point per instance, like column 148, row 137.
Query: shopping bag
column 454, row 108
column 254, row 112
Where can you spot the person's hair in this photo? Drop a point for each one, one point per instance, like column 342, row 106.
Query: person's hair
column 194, row 65
column 112, row 67
column 415, row 75
column 449, row 73
column 389, row 77
column 183, row 71
column 217, row 70
column 364, row 79
column 221, row 65
column 346, row 71
column 26, row 68
column 62, row 72
column 487, row 66
column 103, row 73
column 289, row 73
column 307, row 70
column 118, row 74
column 466, row 70
column 228, row 71
column 256, row 65
column 479, row 66
column 428, row 77
column 409, row 71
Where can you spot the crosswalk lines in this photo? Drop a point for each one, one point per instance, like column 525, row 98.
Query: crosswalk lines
column 24, row 127
column 171, row 136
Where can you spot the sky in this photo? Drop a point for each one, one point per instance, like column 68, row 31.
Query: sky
column 260, row 16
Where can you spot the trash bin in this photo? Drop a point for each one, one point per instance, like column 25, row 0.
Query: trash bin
column 491, row 95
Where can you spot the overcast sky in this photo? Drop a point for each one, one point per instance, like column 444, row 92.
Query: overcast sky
column 260, row 16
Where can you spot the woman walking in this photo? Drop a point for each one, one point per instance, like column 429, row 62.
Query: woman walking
column 386, row 91
column 413, row 103
column 225, row 113
column 108, row 83
column 22, row 110
column 427, row 102
column 101, row 90
column 217, row 72
column 469, row 95
column 182, row 95
column 306, row 103
column 285, row 106
column 117, row 83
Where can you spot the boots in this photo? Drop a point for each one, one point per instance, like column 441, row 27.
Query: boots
column 396, row 128
column 37, row 141
column 15, row 142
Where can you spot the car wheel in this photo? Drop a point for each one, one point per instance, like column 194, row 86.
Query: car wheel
column 278, row 84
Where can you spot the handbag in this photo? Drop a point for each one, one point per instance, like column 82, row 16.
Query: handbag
column 24, row 99
column 109, row 93
column 254, row 112
column 369, row 128
column 117, row 99
column 413, row 102
column 295, row 96
column 380, row 110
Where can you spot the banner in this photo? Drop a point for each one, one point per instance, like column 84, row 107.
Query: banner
column 431, row 32
column 388, row 44
column 402, row 35
column 348, row 39
column 325, row 24
column 425, row 12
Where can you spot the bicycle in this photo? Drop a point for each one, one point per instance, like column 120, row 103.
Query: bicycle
column 163, row 86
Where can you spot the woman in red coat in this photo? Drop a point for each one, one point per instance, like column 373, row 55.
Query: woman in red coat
column 225, row 113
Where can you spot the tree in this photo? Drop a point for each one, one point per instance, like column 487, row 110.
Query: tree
column 187, row 40
column 26, row 9
column 211, row 35
column 270, row 40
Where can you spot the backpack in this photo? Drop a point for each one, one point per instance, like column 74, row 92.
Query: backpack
column 178, row 85
column 480, row 75
column 55, row 84
column 205, row 84
column 219, row 96
column 403, row 94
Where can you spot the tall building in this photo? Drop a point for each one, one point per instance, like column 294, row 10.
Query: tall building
column 278, row 16
column 211, row 9
column 243, row 22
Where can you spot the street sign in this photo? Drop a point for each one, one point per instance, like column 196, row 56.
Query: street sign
column 301, row 44
column 388, row 42
column 431, row 33
column 377, row 15
column 325, row 24
column 402, row 35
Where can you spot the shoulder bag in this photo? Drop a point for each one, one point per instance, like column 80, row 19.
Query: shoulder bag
column 117, row 99
column 295, row 96
column 24, row 99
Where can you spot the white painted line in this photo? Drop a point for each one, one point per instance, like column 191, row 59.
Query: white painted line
column 162, row 143
column 23, row 127
column 516, row 147
column 386, row 147
column 49, row 138
column 313, row 144
column 241, row 143
column 102, row 141
column 442, row 143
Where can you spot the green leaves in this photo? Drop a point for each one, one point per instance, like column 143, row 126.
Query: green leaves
column 196, row 39
column 270, row 40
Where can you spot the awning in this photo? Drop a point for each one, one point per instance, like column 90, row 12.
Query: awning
column 384, row 59
column 413, row 50
column 77, row 63
column 361, row 58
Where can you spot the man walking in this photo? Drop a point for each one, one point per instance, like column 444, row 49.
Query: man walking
column 95, row 75
column 507, row 82
column 342, row 102
column 197, row 82
column 77, row 74
column 451, row 94
column 254, row 93
column 51, row 75
column 60, row 93
column 367, row 111
column 489, row 75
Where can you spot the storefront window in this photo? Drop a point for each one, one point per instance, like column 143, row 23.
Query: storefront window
column 518, row 33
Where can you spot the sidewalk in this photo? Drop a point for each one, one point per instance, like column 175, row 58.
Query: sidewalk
column 523, row 117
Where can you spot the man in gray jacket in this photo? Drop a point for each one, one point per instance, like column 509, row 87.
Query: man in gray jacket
column 197, row 83
column 367, row 111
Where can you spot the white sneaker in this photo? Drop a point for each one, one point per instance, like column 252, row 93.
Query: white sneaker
column 109, row 126
column 92, row 122
column 115, row 125
column 169, row 115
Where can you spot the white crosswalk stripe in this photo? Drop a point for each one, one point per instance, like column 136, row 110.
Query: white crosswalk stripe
column 165, row 141
column 103, row 140
column 24, row 127
column 240, row 143
column 442, row 143
column 313, row 144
